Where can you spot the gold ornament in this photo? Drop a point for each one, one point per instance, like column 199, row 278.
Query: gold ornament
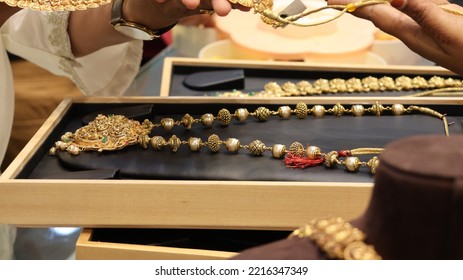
column 115, row 132
column 338, row 239
column 433, row 86
column 56, row 5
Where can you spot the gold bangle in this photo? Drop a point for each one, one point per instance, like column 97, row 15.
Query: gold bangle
column 338, row 239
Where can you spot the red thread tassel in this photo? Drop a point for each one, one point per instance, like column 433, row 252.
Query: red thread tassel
column 293, row 161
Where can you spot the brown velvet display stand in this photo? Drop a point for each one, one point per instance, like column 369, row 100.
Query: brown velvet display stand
column 416, row 207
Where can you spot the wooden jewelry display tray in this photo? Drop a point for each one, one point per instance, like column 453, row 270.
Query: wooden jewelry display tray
column 36, row 190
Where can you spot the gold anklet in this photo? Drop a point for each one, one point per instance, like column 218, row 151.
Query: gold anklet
column 56, row 5
column 338, row 239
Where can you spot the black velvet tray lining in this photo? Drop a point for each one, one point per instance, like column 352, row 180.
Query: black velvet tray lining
column 255, row 79
column 329, row 133
column 218, row 240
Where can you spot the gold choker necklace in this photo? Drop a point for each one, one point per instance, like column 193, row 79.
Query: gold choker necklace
column 115, row 132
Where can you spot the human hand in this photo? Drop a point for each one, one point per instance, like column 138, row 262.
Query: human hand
column 161, row 13
column 425, row 26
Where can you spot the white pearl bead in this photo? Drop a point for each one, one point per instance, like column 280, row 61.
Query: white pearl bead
column 167, row 124
column 313, row 152
column 278, row 150
column 232, row 144
column 358, row 110
column 241, row 114
column 318, row 111
column 194, row 143
column 398, row 109
column 352, row 163
column 284, row 112
column 207, row 119
column 74, row 150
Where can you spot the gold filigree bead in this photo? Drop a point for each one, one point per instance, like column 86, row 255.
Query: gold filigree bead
column 331, row 159
column 241, row 114
column 262, row 113
column 338, row 85
column 167, row 123
column 257, row 148
column 354, row 85
column 284, row 112
column 158, row 143
column 404, row 83
column 323, row 85
column 386, row 83
column 436, row 82
column 195, row 143
column 73, row 150
column 272, row 88
column 214, row 143
column 207, row 120
column 233, row 145
column 371, row 83
column 338, row 110
column 313, row 152
column 301, row 110
column 419, row 82
column 318, row 111
column 297, row 149
column 174, row 143
column 290, row 88
column 352, row 163
column 373, row 164
column 187, row 121
column 397, row 109
column 304, row 87
column 358, row 110
column 224, row 117
column 278, row 151
column 377, row 109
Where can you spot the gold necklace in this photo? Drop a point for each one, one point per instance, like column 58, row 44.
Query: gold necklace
column 265, row 9
column 338, row 239
column 56, row 5
column 115, row 132
column 431, row 87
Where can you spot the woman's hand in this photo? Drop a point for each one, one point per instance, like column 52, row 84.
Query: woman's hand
column 423, row 25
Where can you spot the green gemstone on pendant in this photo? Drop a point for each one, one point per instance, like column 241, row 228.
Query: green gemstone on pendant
column 105, row 139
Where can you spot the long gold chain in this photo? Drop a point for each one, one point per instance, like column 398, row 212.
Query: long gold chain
column 433, row 86
column 338, row 239
column 56, row 5
column 115, row 132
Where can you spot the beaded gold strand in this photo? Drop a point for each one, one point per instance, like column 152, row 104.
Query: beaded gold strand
column 338, row 239
column 431, row 87
column 115, row 132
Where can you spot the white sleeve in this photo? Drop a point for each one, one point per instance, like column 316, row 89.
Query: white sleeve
column 42, row 38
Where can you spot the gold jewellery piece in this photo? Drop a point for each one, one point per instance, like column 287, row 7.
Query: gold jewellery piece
column 56, row 5
column 338, row 239
column 115, row 132
column 265, row 9
column 429, row 87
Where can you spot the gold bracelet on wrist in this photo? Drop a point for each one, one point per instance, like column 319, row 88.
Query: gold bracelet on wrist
column 338, row 239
